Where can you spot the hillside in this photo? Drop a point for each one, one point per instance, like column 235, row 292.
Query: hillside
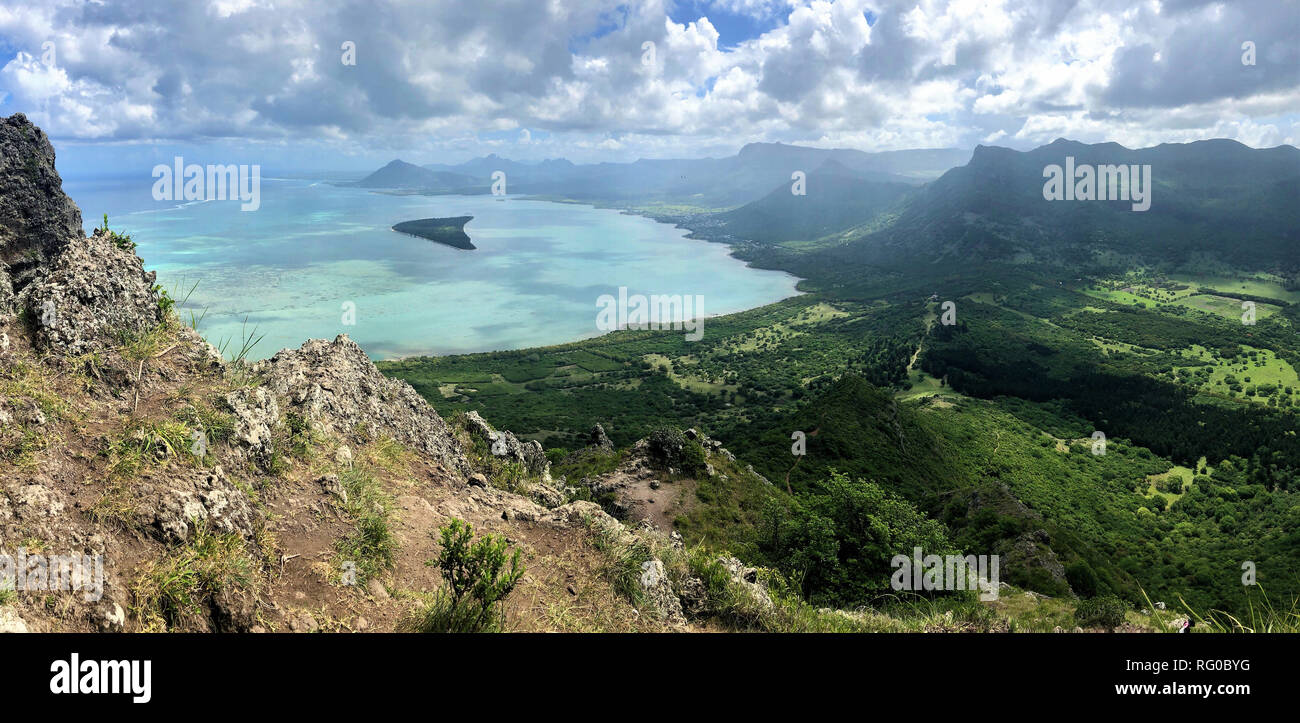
column 835, row 201
column 307, row 492
column 1210, row 201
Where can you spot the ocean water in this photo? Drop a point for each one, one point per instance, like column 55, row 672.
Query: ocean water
column 290, row 269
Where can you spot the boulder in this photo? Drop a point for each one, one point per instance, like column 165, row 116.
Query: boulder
column 597, row 438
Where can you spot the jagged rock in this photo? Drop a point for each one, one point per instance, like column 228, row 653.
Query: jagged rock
column 664, row 447
column 81, row 292
column 89, row 294
column 597, row 438
column 36, row 219
column 177, row 505
column 257, row 415
column 332, row 485
column 334, row 385
column 694, row 597
column 477, row 480
column 577, row 513
column 659, row 591
column 506, row 445
column 546, row 495
column 747, row 578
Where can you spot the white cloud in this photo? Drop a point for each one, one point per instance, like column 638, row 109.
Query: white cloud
column 452, row 77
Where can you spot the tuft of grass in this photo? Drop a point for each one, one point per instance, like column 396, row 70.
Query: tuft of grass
column 1262, row 616
column 247, row 341
column 624, row 554
column 144, row 442
column 371, row 545
column 174, row 591
column 120, row 240
column 141, row 346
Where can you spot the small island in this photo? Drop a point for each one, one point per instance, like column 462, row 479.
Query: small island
column 449, row 231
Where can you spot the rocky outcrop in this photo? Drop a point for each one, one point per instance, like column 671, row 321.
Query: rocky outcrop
column 257, row 417
column 36, row 219
column 79, row 293
column 335, row 386
column 659, row 591
column 597, row 439
column 1033, row 550
column 92, row 293
column 505, row 445
column 747, row 579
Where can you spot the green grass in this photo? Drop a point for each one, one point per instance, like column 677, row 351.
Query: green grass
column 173, row 592
column 1226, row 307
column 371, row 545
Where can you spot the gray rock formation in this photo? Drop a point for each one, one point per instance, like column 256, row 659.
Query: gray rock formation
column 334, row 385
column 659, row 591
column 177, row 506
column 505, row 445
column 36, row 219
column 80, row 293
column 596, row 438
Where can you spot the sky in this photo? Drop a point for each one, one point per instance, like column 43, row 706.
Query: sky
column 124, row 82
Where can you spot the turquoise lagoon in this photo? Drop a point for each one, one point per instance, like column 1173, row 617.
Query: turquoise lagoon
column 290, row 268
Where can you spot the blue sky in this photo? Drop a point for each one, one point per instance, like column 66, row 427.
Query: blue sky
column 443, row 82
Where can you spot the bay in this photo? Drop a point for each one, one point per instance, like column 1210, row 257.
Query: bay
column 313, row 251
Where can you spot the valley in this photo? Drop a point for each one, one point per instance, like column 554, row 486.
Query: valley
column 989, row 425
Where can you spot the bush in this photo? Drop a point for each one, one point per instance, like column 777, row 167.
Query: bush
column 1106, row 612
column 1083, row 580
column 475, row 581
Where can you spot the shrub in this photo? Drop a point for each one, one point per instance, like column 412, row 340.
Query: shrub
column 1106, row 611
column 477, row 577
column 1083, row 580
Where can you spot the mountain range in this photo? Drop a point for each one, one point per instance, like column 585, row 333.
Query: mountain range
column 708, row 183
